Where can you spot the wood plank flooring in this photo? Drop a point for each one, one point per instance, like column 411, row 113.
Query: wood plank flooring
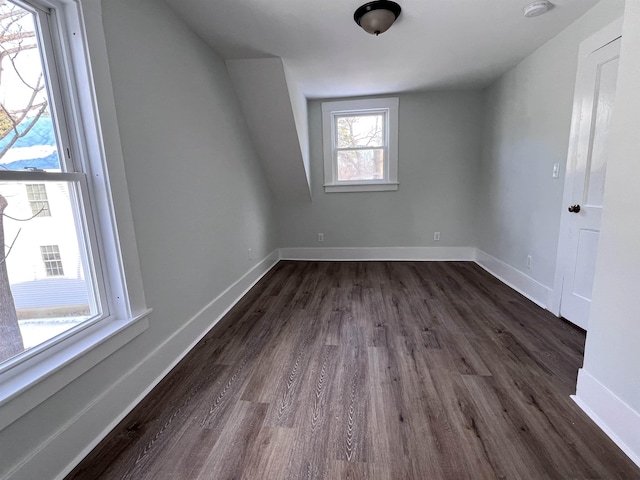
column 369, row 370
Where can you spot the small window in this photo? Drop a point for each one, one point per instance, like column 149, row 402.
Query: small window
column 38, row 201
column 360, row 140
column 52, row 260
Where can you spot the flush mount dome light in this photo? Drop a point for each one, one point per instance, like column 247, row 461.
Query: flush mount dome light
column 537, row 8
column 376, row 17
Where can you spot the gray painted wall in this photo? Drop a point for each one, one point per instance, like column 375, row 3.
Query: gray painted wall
column 527, row 124
column 197, row 188
column 438, row 146
column 198, row 199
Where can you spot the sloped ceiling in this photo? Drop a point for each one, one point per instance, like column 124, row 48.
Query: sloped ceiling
column 432, row 45
column 261, row 86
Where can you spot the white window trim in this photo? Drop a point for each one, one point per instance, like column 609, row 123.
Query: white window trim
column 361, row 106
column 28, row 380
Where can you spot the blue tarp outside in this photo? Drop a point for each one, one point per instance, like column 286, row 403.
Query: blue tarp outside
column 42, row 133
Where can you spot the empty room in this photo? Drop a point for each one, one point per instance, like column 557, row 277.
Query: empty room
column 294, row 239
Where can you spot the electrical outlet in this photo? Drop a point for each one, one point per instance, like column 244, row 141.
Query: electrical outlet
column 249, row 254
column 321, row 237
column 556, row 170
column 528, row 261
column 436, row 236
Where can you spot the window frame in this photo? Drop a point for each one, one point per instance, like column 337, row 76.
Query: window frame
column 330, row 111
column 83, row 83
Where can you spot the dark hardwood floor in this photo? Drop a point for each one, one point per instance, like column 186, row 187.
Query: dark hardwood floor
column 372, row 370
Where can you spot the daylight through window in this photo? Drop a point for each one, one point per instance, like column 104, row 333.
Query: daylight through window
column 44, row 208
column 360, row 148
column 360, row 145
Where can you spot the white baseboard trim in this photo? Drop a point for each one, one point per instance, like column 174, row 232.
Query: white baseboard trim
column 617, row 419
column 514, row 278
column 107, row 410
column 379, row 253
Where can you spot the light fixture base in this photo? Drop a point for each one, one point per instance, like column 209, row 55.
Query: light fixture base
column 537, row 8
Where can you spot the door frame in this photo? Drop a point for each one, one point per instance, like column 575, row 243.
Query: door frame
column 598, row 40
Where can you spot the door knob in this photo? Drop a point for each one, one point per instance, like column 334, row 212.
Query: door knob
column 574, row 208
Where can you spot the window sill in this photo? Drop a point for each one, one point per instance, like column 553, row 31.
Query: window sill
column 30, row 383
column 361, row 187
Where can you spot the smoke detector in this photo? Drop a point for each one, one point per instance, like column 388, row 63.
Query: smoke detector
column 537, row 8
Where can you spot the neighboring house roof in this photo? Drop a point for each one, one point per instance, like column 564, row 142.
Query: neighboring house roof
column 36, row 149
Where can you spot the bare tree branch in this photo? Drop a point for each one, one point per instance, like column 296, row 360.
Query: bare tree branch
column 38, row 87
column 6, row 255
column 15, row 39
column 23, row 219
column 19, row 135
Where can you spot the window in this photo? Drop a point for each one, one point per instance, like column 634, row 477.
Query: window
column 37, row 143
column 360, row 141
column 53, row 158
column 52, row 261
column 37, row 196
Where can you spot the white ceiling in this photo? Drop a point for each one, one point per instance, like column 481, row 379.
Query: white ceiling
column 433, row 44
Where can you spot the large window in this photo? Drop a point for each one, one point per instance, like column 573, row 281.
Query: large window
column 360, row 145
column 64, row 287
column 37, row 143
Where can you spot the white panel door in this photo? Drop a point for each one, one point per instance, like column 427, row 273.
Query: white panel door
column 596, row 81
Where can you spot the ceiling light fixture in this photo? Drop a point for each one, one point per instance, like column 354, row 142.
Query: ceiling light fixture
column 537, row 8
column 376, row 17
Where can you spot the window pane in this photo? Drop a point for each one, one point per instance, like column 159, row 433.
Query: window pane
column 45, row 277
column 27, row 135
column 354, row 165
column 360, row 131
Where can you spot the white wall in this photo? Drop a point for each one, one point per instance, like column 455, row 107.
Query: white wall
column 439, row 140
column 527, row 123
column 609, row 383
column 301, row 116
column 199, row 201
